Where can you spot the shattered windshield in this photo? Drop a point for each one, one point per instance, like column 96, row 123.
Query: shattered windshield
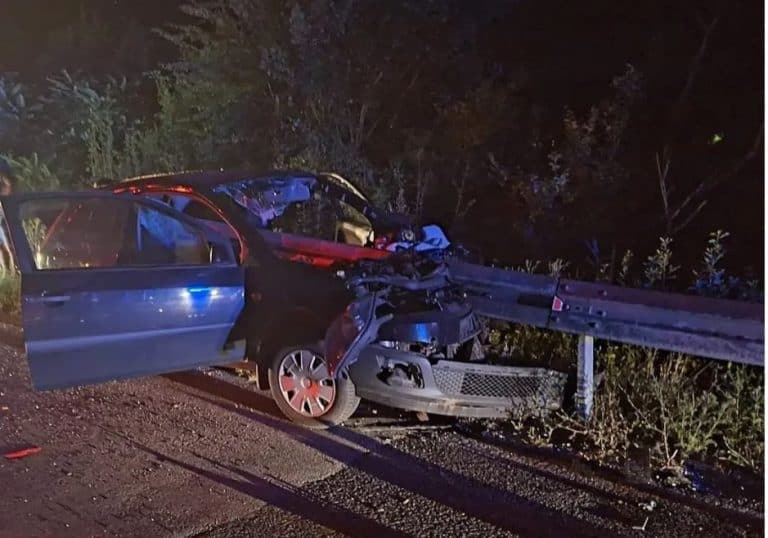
column 320, row 207
column 267, row 198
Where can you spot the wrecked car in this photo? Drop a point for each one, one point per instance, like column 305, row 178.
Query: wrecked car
column 295, row 276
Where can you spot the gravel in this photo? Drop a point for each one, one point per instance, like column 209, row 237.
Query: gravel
column 442, row 483
column 203, row 454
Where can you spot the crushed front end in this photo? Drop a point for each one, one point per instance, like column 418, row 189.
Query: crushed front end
column 412, row 342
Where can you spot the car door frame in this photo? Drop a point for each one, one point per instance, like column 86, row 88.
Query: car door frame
column 230, row 275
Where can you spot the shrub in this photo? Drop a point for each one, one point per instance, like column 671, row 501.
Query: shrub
column 32, row 174
column 661, row 407
column 10, row 289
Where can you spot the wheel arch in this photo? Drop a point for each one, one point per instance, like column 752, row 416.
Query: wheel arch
column 295, row 326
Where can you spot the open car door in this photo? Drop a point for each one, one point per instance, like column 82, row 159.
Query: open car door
column 115, row 287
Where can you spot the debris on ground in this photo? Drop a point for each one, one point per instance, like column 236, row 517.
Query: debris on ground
column 23, row 453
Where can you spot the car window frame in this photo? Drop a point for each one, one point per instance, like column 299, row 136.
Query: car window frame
column 54, row 228
column 26, row 262
column 148, row 192
column 332, row 205
column 195, row 202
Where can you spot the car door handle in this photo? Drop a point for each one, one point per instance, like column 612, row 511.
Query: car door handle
column 50, row 299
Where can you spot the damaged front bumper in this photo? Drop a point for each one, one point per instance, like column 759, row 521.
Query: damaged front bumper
column 409, row 381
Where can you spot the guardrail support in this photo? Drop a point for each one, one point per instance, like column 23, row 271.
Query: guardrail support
column 585, row 376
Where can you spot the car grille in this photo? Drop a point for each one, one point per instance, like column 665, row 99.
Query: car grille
column 521, row 387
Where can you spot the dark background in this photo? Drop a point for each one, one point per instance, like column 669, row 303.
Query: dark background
column 571, row 51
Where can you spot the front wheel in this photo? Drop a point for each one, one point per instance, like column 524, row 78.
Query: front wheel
column 305, row 391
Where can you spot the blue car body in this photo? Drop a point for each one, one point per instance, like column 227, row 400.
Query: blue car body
column 88, row 324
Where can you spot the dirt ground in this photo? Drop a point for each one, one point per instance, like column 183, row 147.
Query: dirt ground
column 113, row 458
column 201, row 453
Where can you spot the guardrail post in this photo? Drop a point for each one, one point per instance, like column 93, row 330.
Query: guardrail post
column 585, row 376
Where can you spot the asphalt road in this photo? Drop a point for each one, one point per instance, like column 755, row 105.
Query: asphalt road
column 197, row 454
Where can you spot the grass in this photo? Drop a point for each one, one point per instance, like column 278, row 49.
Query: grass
column 661, row 409
column 655, row 407
column 10, row 289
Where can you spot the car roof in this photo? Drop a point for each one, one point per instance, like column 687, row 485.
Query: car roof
column 198, row 179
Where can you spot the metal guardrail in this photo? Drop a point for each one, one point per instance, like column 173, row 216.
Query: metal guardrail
column 700, row 326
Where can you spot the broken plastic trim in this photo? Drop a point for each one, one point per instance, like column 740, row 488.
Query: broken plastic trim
column 351, row 332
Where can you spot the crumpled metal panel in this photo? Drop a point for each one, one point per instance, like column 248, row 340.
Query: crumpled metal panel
column 512, row 296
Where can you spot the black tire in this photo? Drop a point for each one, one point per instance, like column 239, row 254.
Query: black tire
column 344, row 404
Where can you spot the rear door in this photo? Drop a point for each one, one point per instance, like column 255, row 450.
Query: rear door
column 115, row 287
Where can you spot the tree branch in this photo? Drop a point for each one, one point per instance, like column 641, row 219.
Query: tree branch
column 695, row 65
column 674, row 221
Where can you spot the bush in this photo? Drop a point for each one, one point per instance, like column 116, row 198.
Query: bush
column 662, row 408
column 10, row 289
column 676, row 407
column 32, row 174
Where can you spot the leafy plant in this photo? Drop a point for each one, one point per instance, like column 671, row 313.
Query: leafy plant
column 556, row 268
column 32, row 174
column 10, row 294
column 658, row 268
column 35, row 231
column 624, row 269
column 664, row 408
